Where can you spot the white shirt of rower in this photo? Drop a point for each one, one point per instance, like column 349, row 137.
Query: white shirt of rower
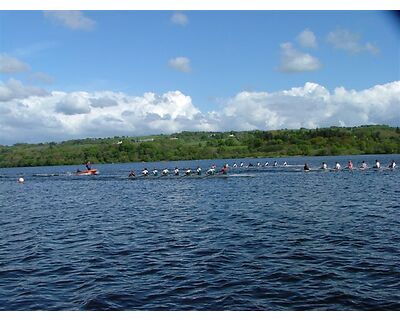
column 198, row 170
column 176, row 171
column 377, row 164
column 285, row 163
column 363, row 165
column 337, row 166
column 188, row 171
column 165, row 172
column 234, row 165
column 145, row 172
column 155, row 172
column 324, row 166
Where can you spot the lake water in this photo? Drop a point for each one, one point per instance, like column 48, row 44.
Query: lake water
column 268, row 239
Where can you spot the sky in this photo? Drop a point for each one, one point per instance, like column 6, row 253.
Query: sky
column 77, row 74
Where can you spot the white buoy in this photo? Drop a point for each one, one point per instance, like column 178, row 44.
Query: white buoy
column 21, row 180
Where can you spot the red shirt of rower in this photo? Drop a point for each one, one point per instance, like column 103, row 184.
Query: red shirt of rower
column 350, row 165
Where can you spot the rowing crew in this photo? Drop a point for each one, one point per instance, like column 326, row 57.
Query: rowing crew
column 266, row 164
column 176, row 172
column 350, row 165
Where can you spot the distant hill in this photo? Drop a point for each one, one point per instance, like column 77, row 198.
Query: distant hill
column 378, row 139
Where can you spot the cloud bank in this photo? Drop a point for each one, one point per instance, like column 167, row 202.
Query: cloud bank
column 29, row 114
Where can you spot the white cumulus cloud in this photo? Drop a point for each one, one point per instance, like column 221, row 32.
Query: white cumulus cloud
column 181, row 64
column 293, row 60
column 74, row 20
column 74, row 103
column 9, row 64
column 346, row 40
column 307, row 39
column 32, row 116
column 15, row 89
column 179, row 18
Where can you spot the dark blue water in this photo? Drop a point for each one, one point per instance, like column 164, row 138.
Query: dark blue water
column 274, row 239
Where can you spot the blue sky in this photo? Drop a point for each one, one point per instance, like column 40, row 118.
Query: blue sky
column 224, row 53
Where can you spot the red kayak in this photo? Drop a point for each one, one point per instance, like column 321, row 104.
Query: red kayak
column 90, row 172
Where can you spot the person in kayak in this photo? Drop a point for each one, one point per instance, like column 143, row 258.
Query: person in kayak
column 392, row 165
column 145, row 172
column 306, row 167
column 188, row 172
column 266, row 164
column 155, row 172
column 198, row 171
column 377, row 164
column 224, row 170
column 165, row 172
column 324, row 166
column 337, row 166
column 285, row 164
column 234, row 165
column 275, row 163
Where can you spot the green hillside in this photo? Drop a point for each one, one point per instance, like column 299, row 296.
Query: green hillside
column 207, row 145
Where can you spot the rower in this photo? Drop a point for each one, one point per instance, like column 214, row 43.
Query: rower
column 306, row 167
column 176, row 171
column 234, row 165
column 377, row 164
column 145, row 172
column 188, row 172
column 350, row 165
column 210, row 171
column 275, row 163
column 285, row 164
column 250, row 165
column 224, row 170
column 198, row 171
column 155, row 172
column 132, row 174
column 392, row 165
column 324, row 166
column 241, row 164
column 258, row 164
column 266, row 164
column 363, row 165
column 165, row 172
column 337, row 166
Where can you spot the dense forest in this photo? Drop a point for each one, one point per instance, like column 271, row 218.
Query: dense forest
column 207, row 145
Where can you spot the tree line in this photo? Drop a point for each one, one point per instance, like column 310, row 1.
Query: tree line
column 378, row 139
